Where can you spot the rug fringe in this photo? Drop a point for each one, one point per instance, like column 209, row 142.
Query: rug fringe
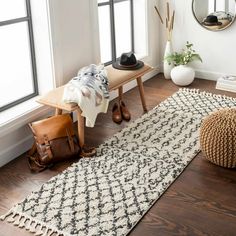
column 3, row 217
column 189, row 90
column 30, row 224
column 207, row 94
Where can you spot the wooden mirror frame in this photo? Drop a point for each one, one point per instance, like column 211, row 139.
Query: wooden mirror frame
column 213, row 30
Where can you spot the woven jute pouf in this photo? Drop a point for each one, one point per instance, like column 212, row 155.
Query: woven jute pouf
column 218, row 137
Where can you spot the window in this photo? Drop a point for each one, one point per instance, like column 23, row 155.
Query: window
column 116, row 28
column 18, row 81
column 220, row 5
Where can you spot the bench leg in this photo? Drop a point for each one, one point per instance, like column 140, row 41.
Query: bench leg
column 141, row 92
column 120, row 90
column 80, row 127
column 85, row 150
column 58, row 111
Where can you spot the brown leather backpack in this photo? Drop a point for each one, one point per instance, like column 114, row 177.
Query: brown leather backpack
column 55, row 141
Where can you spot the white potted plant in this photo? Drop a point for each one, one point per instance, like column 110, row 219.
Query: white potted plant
column 182, row 74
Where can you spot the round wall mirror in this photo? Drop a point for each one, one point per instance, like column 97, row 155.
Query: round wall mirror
column 214, row 15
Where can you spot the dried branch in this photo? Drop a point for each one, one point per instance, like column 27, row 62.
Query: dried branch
column 158, row 13
column 172, row 20
column 168, row 11
column 169, row 21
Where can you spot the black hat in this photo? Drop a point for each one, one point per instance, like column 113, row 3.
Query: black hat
column 127, row 61
column 211, row 20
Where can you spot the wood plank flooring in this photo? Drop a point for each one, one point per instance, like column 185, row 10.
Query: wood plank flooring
column 202, row 201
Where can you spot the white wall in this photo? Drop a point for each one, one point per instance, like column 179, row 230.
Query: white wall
column 72, row 37
column 217, row 49
column 154, row 35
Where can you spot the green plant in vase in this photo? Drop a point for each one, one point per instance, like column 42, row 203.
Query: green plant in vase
column 187, row 55
column 182, row 74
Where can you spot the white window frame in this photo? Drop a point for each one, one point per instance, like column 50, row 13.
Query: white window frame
column 28, row 111
column 27, row 19
column 111, row 4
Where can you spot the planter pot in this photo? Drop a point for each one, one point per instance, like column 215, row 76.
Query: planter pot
column 166, row 66
column 182, row 75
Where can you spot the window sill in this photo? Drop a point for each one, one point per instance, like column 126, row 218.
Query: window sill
column 20, row 115
column 140, row 56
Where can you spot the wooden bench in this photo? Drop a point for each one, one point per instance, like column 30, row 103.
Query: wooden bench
column 116, row 78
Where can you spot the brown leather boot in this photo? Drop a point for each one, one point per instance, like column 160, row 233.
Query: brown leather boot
column 124, row 111
column 116, row 114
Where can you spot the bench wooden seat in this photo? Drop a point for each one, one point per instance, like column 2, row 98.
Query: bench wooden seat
column 116, row 78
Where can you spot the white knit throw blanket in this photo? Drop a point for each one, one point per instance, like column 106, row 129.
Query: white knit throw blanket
column 90, row 91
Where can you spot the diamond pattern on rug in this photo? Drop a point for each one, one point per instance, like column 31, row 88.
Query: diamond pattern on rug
column 109, row 194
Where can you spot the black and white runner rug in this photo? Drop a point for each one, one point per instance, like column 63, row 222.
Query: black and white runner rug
column 109, row 194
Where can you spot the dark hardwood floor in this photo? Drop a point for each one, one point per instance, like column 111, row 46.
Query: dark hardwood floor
column 202, row 201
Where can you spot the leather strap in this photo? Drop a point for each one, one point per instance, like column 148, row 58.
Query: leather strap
column 71, row 141
column 33, row 149
column 47, row 146
column 33, row 162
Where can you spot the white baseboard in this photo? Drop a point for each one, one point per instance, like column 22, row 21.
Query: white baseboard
column 203, row 74
column 17, row 138
column 15, row 150
column 208, row 75
column 23, row 142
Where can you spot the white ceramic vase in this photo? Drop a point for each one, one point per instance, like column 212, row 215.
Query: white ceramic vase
column 182, row 75
column 168, row 67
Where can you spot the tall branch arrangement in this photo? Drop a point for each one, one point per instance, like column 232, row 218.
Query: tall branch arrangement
column 169, row 20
